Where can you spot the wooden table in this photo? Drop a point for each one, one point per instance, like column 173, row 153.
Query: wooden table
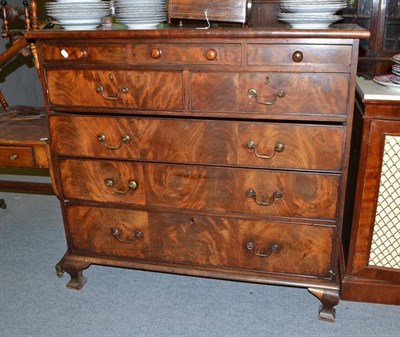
column 23, row 146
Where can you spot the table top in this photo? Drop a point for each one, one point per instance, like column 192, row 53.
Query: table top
column 370, row 90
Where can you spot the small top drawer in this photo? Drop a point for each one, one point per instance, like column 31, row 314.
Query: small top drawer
column 226, row 54
column 112, row 53
column 282, row 54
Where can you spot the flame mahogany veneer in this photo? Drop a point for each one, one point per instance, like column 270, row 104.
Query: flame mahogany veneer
column 220, row 153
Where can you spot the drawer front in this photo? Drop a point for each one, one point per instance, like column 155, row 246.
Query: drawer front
column 111, row 53
column 226, row 54
column 199, row 240
column 15, row 156
column 267, row 94
column 116, row 89
column 205, row 142
column 108, row 231
column 301, row 54
column 202, row 188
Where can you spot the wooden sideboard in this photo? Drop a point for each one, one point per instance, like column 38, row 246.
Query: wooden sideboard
column 372, row 259
column 220, row 153
column 23, row 146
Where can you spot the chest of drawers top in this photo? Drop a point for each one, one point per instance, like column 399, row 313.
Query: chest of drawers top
column 244, row 73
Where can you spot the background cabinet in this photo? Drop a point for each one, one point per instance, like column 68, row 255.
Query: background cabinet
column 382, row 19
column 373, row 256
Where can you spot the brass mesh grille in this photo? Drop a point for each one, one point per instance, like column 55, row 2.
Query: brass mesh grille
column 385, row 247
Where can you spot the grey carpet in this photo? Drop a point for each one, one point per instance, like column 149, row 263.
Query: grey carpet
column 120, row 302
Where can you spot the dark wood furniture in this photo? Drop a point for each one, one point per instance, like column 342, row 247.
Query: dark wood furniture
column 23, row 145
column 220, row 153
column 372, row 272
column 23, row 130
column 382, row 19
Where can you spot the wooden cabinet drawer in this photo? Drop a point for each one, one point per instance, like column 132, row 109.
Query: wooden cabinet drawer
column 202, row 188
column 200, row 141
column 16, row 156
column 110, row 53
column 218, row 54
column 301, row 54
column 270, row 94
column 200, row 240
column 145, row 90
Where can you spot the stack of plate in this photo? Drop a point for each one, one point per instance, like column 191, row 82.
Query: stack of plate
column 140, row 14
column 396, row 64
column 78, row 14
column 311, row 14
column 391, row 80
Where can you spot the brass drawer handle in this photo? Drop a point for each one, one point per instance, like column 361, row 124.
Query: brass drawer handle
column 211, row 54
column 252, row 93
column 156, row 53
column 273, row 248
column 100, row 90
column 276, row 196
column 13, row 157
column 251, row 145
column 116, row 233
column 81, row 54
column 101, row 137
column 297, row 56
column 132, row 185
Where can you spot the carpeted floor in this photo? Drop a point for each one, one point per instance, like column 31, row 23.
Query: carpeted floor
column 120, row 302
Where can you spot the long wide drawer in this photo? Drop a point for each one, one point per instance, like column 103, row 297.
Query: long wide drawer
column 204, row 188
column 270, row 93
column 153, row 90
column 259, row 144
column 202, row 240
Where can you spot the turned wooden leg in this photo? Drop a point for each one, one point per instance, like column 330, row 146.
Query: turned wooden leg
column 74, row 268
column 329, row 299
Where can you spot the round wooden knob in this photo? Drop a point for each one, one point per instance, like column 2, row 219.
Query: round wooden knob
column 211, row 55
column 81, row 54
column 297, row 56
column 156, row 53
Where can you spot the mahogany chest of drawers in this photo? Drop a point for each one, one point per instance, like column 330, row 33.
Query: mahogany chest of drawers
column 219, row 153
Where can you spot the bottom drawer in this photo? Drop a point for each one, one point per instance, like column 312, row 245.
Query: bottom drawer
column 201, row 240
column 16, row 156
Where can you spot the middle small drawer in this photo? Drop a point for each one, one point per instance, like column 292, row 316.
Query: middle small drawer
column 259, row 144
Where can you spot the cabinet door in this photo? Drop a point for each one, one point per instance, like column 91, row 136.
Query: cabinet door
column 377, row 235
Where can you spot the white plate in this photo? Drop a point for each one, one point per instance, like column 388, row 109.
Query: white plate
column 396, row 72
column 78, row 22
column 387, row 81
column 141, row 25
column 306, row 23
column 396, row 58
column 331, row 9
column 79, row 27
